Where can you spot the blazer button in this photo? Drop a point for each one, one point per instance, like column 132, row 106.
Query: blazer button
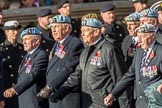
column 10, row 66
column 47, row 50
column 11, row 75
column 8, row 57
column 44, row 41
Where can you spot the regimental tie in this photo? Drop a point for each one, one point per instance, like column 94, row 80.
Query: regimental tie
column 144, row 58
column 133, row 42
column 27, row 59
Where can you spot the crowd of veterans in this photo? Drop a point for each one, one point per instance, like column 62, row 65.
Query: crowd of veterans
column 66, row 63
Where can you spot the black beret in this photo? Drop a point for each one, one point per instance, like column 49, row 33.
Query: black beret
column 142, row 1
column 61, row 3
column 44, row 12
column 107, row 7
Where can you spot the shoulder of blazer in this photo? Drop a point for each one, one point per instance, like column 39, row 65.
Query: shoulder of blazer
column 39, row 50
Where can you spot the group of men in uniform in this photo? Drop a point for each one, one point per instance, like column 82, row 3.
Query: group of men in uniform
column 91, row 69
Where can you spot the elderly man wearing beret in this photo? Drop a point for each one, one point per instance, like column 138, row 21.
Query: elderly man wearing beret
column 100, row 68
column 148, row 16
column 130, row 42
column 63, row 61
column 145, row 69
column 32, row 72
column 159, row 25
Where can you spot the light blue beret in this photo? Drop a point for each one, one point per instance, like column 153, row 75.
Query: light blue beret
column 145, row 28
column 149, row 13
column 132, row 17
column 59, row 19
column 91, row 22
column 31, row 31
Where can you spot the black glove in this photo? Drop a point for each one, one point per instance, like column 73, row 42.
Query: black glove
column 45, row 92
column 54, row 98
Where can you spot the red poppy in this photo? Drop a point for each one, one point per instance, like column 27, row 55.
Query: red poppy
column 61, row 47
column 152, row 54
column 27, row 62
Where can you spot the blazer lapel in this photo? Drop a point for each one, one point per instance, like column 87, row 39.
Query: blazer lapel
column 138, row 62
column 22, row 65
column 84, row 60
column 151, row 55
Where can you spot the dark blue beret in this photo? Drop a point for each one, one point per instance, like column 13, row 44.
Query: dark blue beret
column 107, row 7
column 44, row 12
column 61, row 3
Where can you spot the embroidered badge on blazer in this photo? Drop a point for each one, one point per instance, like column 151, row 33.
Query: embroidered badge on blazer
column 96, row 59
column 60, row 51
column 28, row 66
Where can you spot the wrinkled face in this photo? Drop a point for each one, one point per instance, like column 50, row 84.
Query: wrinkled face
column 131, row 26
column 138, row 7
column 30, row 42
column 58, row 31
column 147, row 20
column 108, row 16
column 160, row 16
column 65, row 9
column 12, row 34
column 145, row 39
column 89, row 34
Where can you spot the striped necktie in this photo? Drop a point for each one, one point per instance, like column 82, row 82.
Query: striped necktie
column 144, row 58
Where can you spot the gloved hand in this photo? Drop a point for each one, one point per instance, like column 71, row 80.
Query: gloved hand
column 54, row 98
column 45, row 92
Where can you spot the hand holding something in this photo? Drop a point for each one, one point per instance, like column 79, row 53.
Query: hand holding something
column 9, row 93
column 108, row 100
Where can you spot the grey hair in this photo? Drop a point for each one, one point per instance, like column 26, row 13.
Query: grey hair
column 65, row 24
column 37, row 37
